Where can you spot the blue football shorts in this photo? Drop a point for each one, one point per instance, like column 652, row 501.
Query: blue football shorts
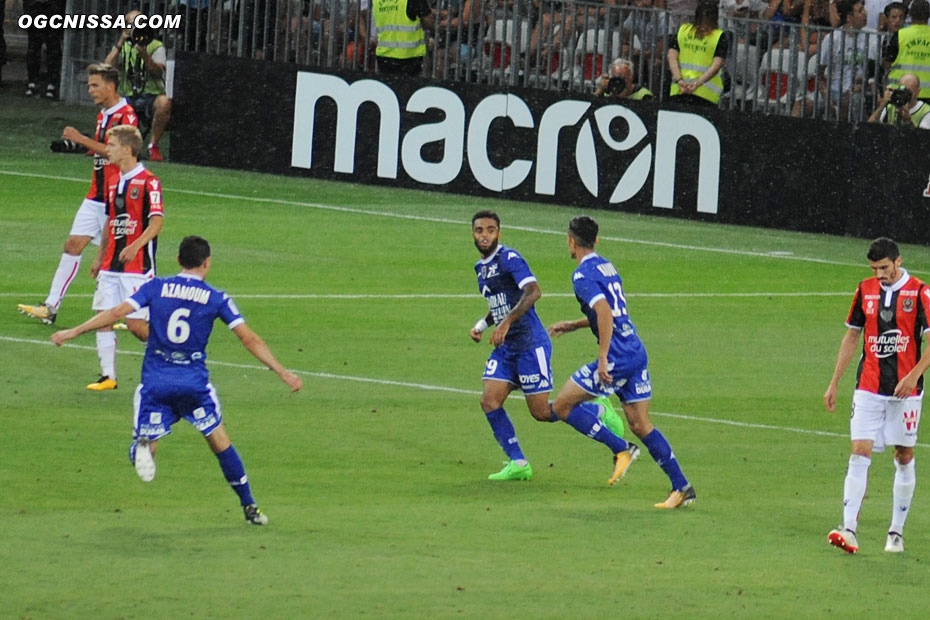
column 530, row 370
column 631, row 383
column 157, row 408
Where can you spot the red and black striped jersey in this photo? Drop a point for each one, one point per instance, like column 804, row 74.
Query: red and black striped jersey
column 119, row 114
column 131, row 201
column 893, row 320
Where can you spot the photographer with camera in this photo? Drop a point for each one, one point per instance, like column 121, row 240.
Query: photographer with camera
column 900, row 105
column 141, row 59
column 619, row 83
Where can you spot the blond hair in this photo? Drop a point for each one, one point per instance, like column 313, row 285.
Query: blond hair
column 127, row 135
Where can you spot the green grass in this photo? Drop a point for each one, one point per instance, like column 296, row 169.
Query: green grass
column 375, row 488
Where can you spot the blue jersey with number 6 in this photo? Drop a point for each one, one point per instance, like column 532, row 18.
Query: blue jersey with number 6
column 596, row 278
column 182, row 310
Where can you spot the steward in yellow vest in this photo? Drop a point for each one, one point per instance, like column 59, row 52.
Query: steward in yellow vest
column 696, row 56
column 909, row 49
column 401, row 39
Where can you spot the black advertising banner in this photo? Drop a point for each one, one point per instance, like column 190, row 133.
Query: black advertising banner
column 565, row 148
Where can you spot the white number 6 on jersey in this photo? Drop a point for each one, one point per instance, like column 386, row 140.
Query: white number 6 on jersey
column 179, row 330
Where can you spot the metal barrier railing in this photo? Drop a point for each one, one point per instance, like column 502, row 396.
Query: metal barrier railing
column 772, row 67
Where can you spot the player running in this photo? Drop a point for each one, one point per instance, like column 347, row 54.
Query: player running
column 175, row 381
column 102, row 82
column 621, row 367
column 522, row 349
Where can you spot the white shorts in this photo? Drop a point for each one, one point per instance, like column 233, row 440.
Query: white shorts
column 114, row 288
column 885, row 420
column 89, row 220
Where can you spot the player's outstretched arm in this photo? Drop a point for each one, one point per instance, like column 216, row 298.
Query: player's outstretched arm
column 257, row 347
column 103, row 319
column 563, row 327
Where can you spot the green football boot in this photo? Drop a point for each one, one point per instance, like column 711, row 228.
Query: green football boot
column 609, row 417
column 512, row 471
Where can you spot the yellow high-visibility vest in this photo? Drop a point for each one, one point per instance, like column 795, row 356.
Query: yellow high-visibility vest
column 913, row 56
column 398, row 36
column 695, row 56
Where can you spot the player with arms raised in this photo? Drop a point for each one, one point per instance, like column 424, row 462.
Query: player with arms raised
column 621, row 367
column 175, row 381
column 102, row 82
column 891, row 311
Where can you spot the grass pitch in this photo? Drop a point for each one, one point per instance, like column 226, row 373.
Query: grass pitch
column 374, row 476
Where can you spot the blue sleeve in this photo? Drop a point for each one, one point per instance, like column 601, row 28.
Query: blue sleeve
column 516, row 266
column 143, row 297
column 229, row 312
column 586, row 289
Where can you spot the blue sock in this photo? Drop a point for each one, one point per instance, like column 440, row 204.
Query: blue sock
column 505, row 434
column 661, row 453
column 583, row 418
column 234, row 472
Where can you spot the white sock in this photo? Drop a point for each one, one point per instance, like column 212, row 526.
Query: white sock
column 857, row 479
column 67, row 269
column 106, row 352
column 905, row 479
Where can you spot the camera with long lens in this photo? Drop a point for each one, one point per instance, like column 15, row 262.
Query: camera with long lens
column 615, row 86
column 900, row 97
column 142, row 35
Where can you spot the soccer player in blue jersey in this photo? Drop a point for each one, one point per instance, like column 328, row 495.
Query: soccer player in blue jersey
column 175, row 381
column 621, row 367
column 522, row 349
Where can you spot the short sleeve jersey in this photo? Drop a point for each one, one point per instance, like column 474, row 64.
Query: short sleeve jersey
column 595, row 279
column 501, row 279
column 894, row 320
column 131, row 202
column 182, row 310
column 120, row 114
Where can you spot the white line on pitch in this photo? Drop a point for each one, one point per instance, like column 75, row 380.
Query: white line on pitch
column 477, row 295
column 441, row 220
column 442, row 388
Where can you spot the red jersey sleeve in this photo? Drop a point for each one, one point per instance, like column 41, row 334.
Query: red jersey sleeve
column 923, row 309
column 856, row 316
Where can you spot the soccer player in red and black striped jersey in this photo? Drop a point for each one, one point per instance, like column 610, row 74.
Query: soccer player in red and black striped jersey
column 126, row 259
column 102, row 81
column 892, row 313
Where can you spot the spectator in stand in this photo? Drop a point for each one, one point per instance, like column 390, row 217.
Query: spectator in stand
column 461, row 25
column 51, row 39
column 651, row 27
column 743, row 9
column 908, row 49
column 784, row 11
column 850, row 55
column 679, row 11
column 696, row 56
column 141, row 59
column 620, row 83
column 903, row 111
column 554, row 32
column 892, row 17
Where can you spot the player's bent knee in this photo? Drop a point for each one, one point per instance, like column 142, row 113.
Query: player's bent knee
column 74, row 245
